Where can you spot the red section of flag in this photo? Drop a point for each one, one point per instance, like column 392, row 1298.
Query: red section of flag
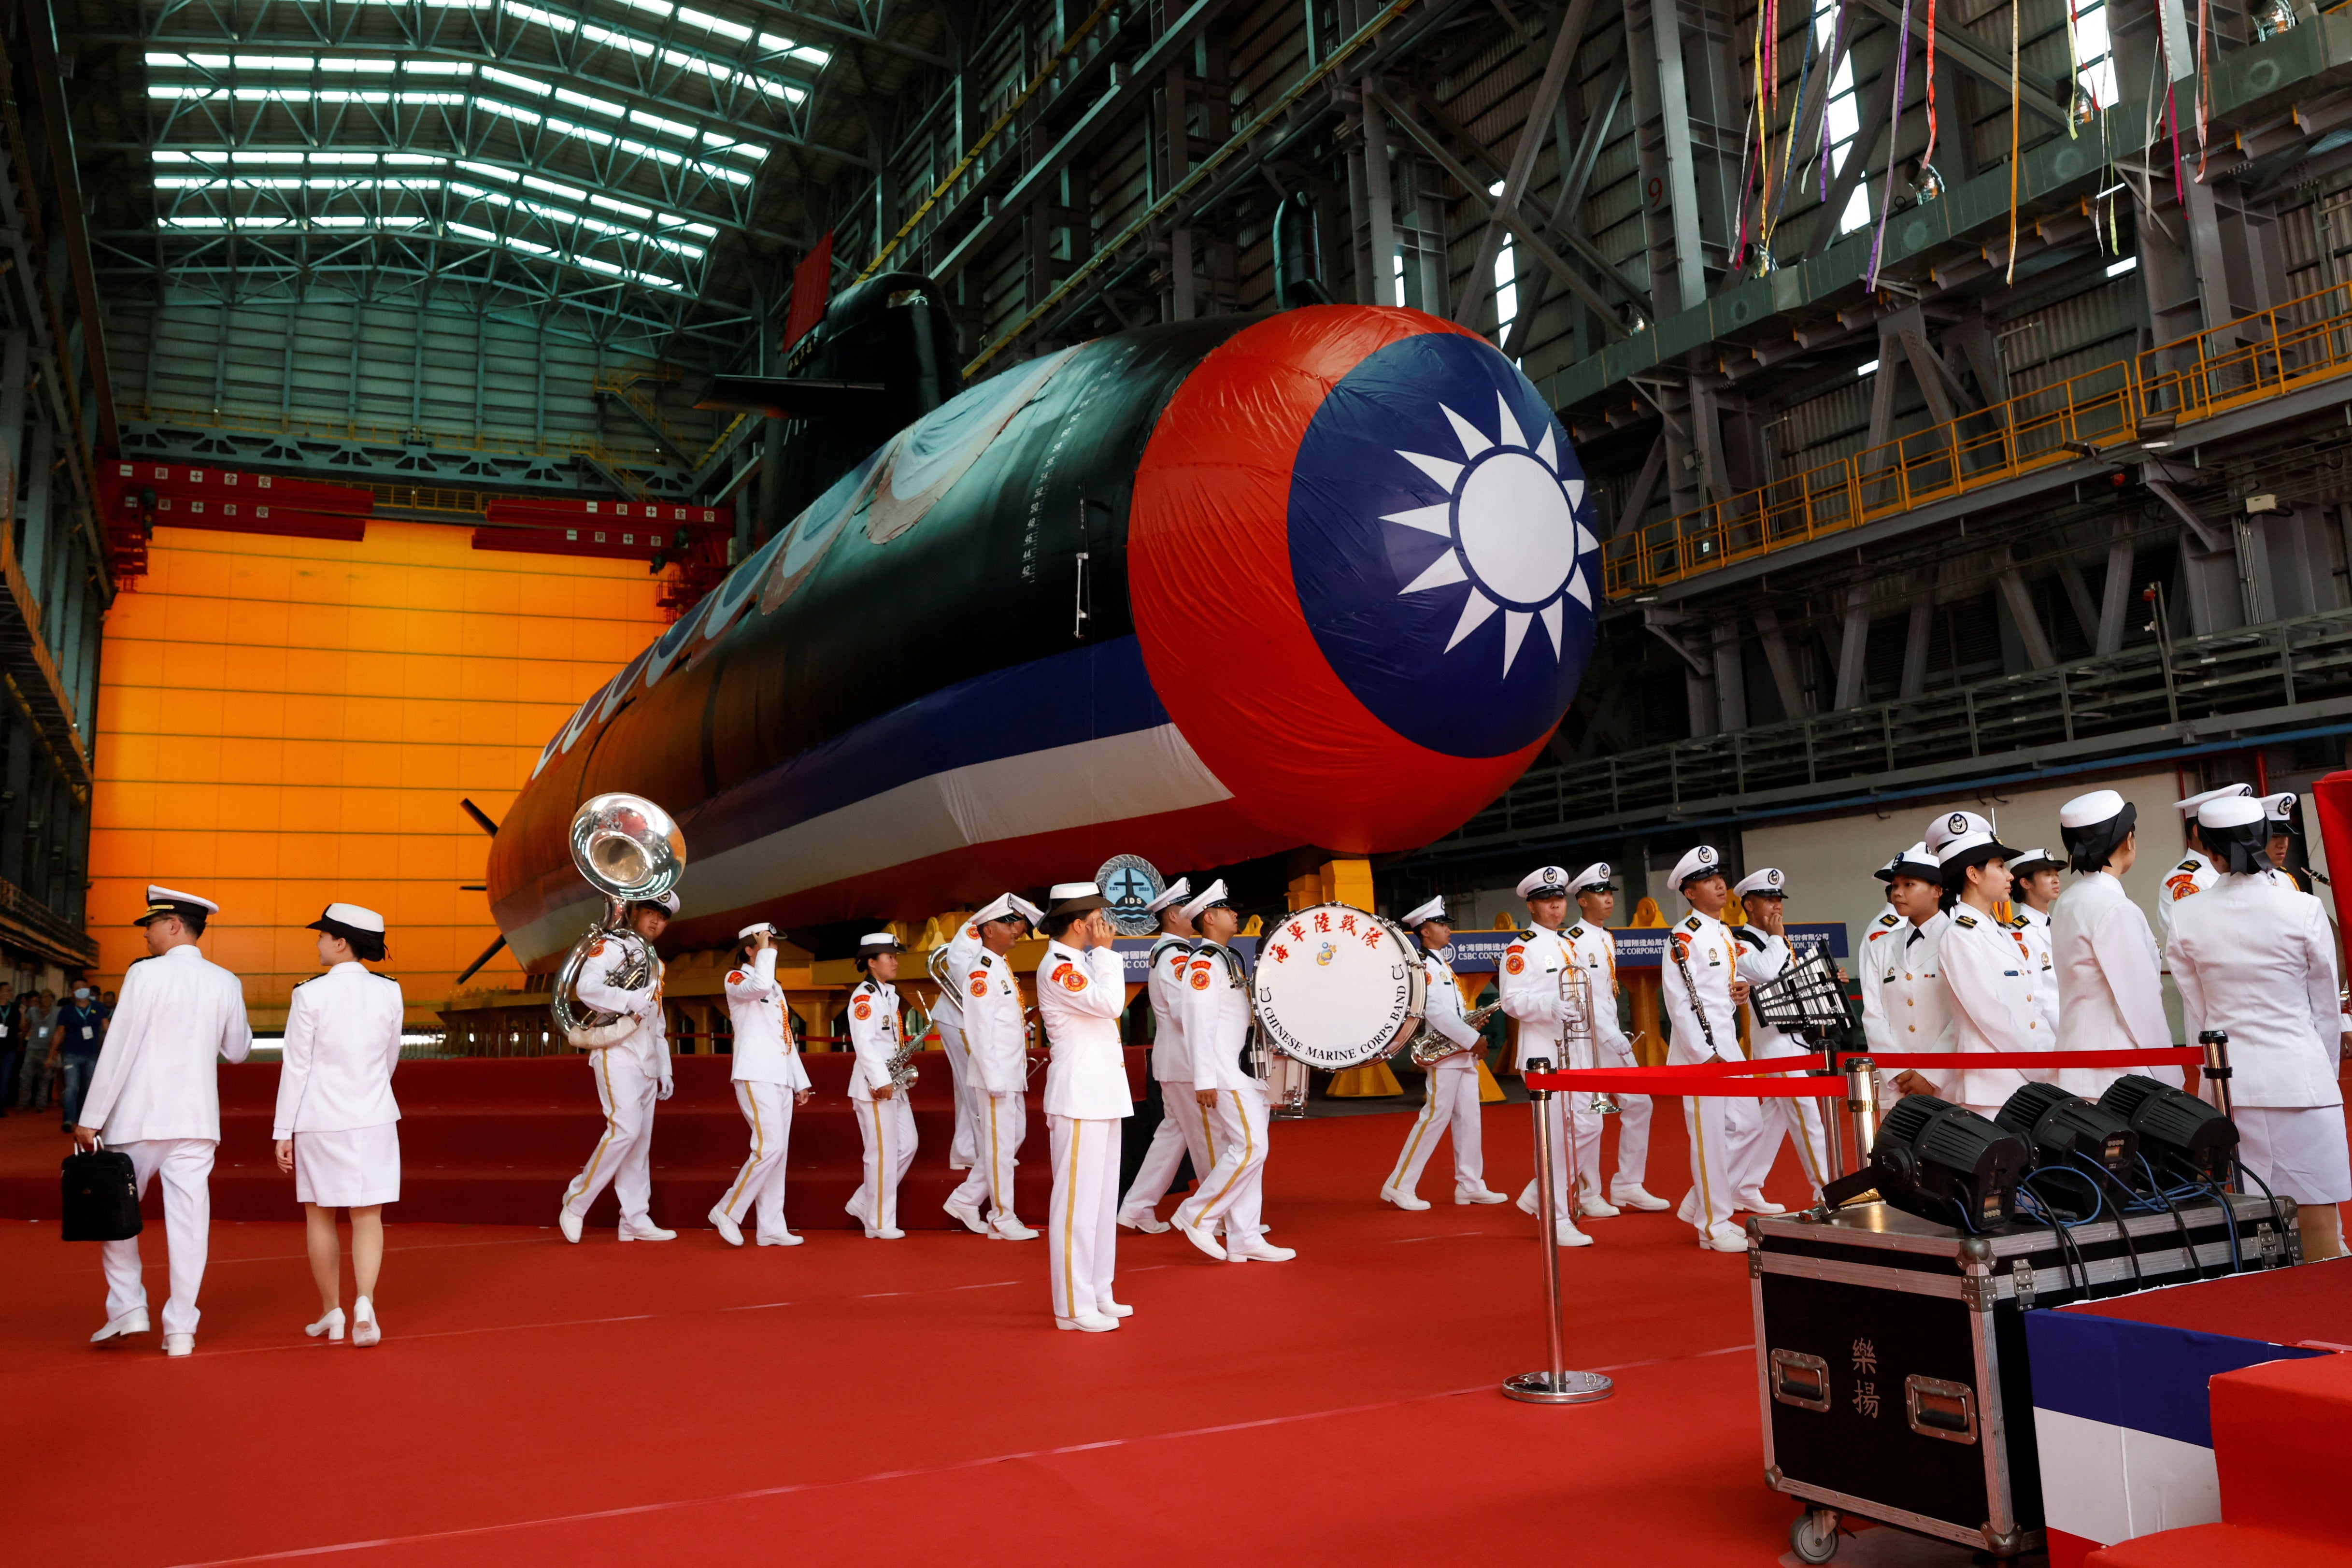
column 811, row 288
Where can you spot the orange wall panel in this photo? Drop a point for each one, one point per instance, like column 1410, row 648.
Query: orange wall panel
column 285, row 723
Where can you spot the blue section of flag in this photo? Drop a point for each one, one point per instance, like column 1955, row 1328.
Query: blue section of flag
column 1088, row 693
column 2149, row 1377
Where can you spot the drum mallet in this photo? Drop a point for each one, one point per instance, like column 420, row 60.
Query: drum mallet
column 1557, row 1386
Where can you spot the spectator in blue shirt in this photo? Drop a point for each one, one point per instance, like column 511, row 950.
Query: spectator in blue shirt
column 73, row 1048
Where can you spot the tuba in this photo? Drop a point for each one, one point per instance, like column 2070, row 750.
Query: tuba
column 628, row 849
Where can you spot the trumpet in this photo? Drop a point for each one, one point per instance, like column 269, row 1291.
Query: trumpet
column 1429, row 1047
column 628, row 849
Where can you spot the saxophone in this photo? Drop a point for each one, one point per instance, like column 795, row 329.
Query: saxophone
column 1429, row 1047
column 900, row 1067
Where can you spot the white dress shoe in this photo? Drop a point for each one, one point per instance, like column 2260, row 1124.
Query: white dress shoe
column 1088, row 1324
column 330, row 1326
column 179, row 1344
column 365, row 1330
column 134, row 1322
column 728, row 1231
column 1255, row 1250
column 1114, row 1309
column 568, row 1223
column 1202, row 1239
column 1566, row 1234
column 892, row 1234
column 1143, row 1220
column 648, row 1231
column 968, row 1215
column 1402, row 1199
column 1687, row 1210
column 1527, row 1203
column 1009, row 1227
column 1594, row 1206
column 1759, row 1203
column 787, row 1239
column 1636, row 1198
column 1725, row 1239
column 1479, row 1196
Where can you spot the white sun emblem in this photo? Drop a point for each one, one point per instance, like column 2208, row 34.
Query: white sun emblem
column 1511, row 521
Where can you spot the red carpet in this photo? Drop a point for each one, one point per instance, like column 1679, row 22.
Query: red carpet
column 872, row 1402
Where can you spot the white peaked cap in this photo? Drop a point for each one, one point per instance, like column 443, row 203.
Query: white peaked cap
column 2194, row 806
column 754, row 928
column 1553, row 877
column 1915, row 862
column 157, row 895
column 2280, row 807
column 355, row 917
column 1700, row 861
column 1024, row 908
column 2229, row 810
column 1593, row 877
column 666, row 900
column 1953, row 824
column 2034, row 858
column 1007, row 905
column 1066, row 890
column 878, row 939
column 1215, row 893
column 1769, row 882
column 2092, row 809
column 1177, row 893
column 1433, row 911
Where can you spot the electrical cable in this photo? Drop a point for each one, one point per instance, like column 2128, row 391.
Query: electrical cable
column 2122, row 1218
column 2187, row 1245
column 2278, row 1214
column 2070, row 1256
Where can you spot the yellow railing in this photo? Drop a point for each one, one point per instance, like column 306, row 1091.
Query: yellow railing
column 2244, row 362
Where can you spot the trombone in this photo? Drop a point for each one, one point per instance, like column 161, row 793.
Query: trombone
column 1580, row 1036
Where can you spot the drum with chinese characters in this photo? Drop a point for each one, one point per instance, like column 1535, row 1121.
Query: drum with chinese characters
column 1336, row 987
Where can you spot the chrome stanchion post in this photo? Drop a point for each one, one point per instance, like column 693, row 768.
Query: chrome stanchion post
column 1861, row 1105
column 1556, row 1386
column 1830, row 1129
column 2217, row 1073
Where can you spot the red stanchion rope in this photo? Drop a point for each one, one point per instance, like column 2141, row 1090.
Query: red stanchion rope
column 1689, row 1079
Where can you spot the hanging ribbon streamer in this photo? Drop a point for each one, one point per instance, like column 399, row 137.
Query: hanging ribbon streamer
column 1789, row 144
column 1821, row 155
column 2015, row 7
column 2074, row 68
column 2204, row 80
column 1893, row 130
column 1928, row 155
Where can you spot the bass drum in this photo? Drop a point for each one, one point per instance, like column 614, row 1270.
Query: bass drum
column 1336, row 987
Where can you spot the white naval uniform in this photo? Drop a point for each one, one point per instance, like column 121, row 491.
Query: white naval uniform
column 1718, row 1124
column 1592, row 948
column 1214, row 1006
column 2256, row 956
column 1450, row 1101
column 335, row 1087
column 2110, row 983
column 887, row 1126
column 1904, row 1004
column 996, row 1076
column 768, row 1076
column 1800, row 1120
column 2193, row 875
column 631, row 1075
column 1080, row 998
column 1533, row 962
column 948, row 1017
column 1180, row 1132
column 1998, row 999
column 155, row 1096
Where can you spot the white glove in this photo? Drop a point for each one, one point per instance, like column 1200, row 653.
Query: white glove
column 667, row 1084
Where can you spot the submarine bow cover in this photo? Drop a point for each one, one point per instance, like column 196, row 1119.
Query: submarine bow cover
column 1198, row 591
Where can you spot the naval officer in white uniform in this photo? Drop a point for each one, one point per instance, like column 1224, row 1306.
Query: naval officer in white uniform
column 1529, row 987
column 947, row 1016
column 631, row 1075
column 1449, row 1103
column 996, row 1069
column 155, row 1095
column 2000, row 996
column 1214, row 1004
column 1590, row 945
column 1081, row 992
column 1700, row 986
column 337, row 1126
column 1905, row 1006
column 2102, row 950
column 2195, row 872
column 1179, row 1132
column 2253, row 955
column 885, row 1120
column 1765, row 955
column 769, row 1083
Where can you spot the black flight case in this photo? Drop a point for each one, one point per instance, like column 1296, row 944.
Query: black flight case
column 1890, row 1354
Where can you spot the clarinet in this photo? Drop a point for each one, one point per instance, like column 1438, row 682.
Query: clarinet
column 1681, row 961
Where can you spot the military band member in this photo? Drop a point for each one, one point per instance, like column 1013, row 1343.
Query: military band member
column 2255, row 956
column 996, row 1073
column 2195, row 873
column 1081, row 992
column 1905, row 1006
column 1700, row 984
column 948, row 1015
column 155, row 1096
column 1765, row 955
column 337, row 1124
column 1529, row 987
column 1179, row 1132
column 1214, row 1004
column 2278, row 816
column 1450, row 1099
column 631, row 1075
column 2001, row 998
column 1591, row 945
column 769, row 1083
column 885, row 1120
column 2101, row 948
column 2035, row 883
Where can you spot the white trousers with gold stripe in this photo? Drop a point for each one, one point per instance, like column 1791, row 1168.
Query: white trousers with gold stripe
column 970, row 1098
column 1179, row 1134
column 1757, row 1146
column 1235, row 1189
column 1000, row 1122
column 623, row 1155
column 1082, row 1224
column 887, row 1127
column 759, row 1186
column 1717, row 1126
column 1448, row 1106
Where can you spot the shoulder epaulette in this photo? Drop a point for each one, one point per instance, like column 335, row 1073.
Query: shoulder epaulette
column 1751, row 936
column 2189, row 866
column 1693, row 924
column 1527, row 935
column 1967, row 923
column 1890, row 919
column 300, row 983
column 987, row 960
column 393, row 979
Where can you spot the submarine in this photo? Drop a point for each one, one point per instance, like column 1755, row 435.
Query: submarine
column 1200, row 592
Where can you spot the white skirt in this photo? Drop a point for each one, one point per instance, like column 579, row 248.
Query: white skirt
column 2301, row 1154
column 355, row 1169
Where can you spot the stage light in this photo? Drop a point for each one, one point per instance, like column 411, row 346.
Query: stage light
column 2180, row 1133
column 2056, row 1125
column 1943, row 1162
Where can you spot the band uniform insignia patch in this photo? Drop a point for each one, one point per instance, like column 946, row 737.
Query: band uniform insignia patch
column 734, row 977
column 2180, row 886
column 597, row 950
column 1515, row 965
column 979, row 983
column 1068, row 978
column 863, row 1010
column 1201, row 975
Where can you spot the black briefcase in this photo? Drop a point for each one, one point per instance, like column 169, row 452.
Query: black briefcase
column 101, row 1197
